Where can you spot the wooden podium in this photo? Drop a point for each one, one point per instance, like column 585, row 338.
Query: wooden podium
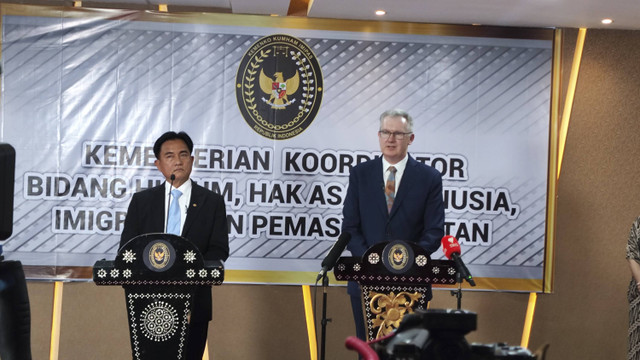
column 160, row 274
column 395, row 278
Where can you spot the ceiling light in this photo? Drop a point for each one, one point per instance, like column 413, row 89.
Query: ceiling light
column 380, row 12
column 607, row 21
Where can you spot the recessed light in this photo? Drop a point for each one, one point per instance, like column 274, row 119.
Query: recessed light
column 607, row 21
column 380, row 12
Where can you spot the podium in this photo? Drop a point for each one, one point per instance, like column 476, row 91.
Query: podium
column 395, row 278
column 160, row 274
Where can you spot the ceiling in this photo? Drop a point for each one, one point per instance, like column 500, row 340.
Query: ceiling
column 519, row 13
column 527, row 13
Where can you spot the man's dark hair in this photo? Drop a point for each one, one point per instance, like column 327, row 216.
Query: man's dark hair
column 172, row 135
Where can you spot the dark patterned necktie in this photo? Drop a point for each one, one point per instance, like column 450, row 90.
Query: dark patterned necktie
column 390, row 188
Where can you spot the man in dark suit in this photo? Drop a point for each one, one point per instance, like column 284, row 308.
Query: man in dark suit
column 202, row 219
column 392, row 197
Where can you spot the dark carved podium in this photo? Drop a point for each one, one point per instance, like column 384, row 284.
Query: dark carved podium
column 394, row 277
column 160, row 274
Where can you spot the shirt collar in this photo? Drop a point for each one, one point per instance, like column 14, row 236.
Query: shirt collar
column 184, row 188
column 400, row 166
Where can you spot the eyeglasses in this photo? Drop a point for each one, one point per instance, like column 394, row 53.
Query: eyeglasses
column 385, row 135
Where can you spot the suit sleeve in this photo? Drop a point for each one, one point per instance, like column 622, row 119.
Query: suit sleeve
column 351, row 222
column 218, row 247
column 131, row 222
column 433, row 216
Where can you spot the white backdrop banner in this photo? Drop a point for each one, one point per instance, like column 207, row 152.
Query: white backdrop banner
column 84, row 99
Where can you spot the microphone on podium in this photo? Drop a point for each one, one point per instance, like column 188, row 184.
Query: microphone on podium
column 330, row 261
column 451, row 249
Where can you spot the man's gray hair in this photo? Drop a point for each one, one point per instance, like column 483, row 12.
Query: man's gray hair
column 398, row 113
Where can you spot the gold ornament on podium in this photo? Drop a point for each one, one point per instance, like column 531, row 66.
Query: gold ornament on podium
column 390, row 308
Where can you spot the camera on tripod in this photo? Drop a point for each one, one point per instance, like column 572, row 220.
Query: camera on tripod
column 439, row 335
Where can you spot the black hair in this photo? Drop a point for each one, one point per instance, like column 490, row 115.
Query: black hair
column 172, row 135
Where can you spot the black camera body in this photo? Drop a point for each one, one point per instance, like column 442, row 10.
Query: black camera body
column 439, row 335
column 7, row 169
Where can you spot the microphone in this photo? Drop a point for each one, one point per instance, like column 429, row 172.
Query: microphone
column 330, row 261
column 172, row 178
column 451, row 249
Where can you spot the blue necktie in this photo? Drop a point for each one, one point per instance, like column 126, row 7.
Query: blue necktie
column 173, row 224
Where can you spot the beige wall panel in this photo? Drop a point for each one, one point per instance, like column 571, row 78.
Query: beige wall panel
column 598, row 192
column 41, row 307
column 258, row 322
column 94, row 323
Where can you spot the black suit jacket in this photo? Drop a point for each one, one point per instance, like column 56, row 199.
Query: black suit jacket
column 205, row 226
column 417, row 214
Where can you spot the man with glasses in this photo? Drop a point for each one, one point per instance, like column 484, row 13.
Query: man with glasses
column 393, row 197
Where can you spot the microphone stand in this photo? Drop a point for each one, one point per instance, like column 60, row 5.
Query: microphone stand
column 166, row 223
column 458, row 293
column 324, row 321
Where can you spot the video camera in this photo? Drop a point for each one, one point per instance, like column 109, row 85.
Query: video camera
column 7, row 169
column 439, row 335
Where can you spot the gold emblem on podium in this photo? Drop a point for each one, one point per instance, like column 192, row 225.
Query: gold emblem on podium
column 159, row 255
column 398, row 256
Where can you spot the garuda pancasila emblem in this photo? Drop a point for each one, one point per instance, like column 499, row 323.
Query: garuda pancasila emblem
column 279, row 89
